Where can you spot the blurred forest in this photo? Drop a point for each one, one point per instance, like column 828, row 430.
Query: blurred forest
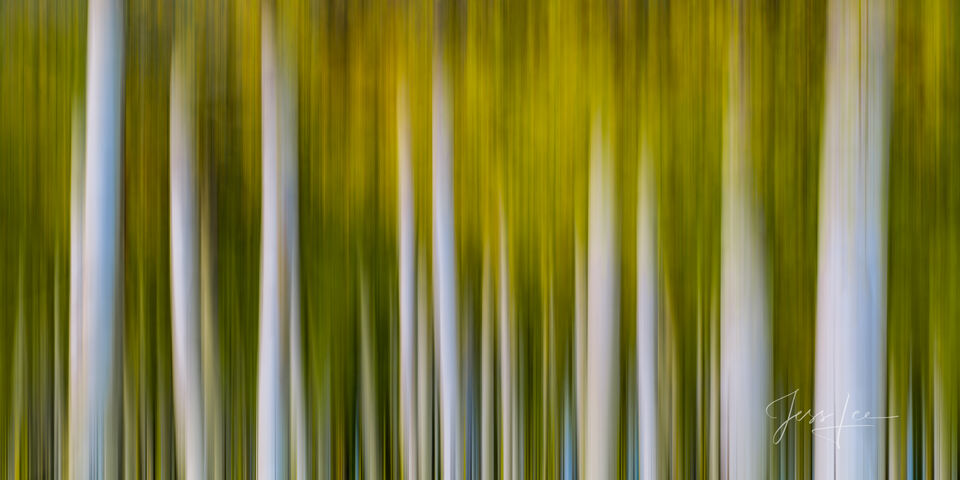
column 529, row 84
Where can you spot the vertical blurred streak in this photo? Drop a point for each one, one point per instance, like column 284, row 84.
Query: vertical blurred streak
column 487, row 470
column 425, row 369
column 371, row 452
column 647, row 274
column 210, row 360
column 18, row 388
column 57, row 449
column 568, row 469
column 324, row 437
column 507, row 424
column 290, row 253
column 744, row 338
column 184, row 256
column 603, row 312
column 445, row 273
column 97, row 435
column 851, row 296
column 272, row 384
column 580, row 349
column 76, row 274
column 945, row 272
column 408, row 279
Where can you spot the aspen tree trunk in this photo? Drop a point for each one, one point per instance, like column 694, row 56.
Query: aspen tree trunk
column 184, row 257
column 647, row 273
column 851, row 273
column 272, row 385
column 445, row 274
column 507, row 424
column 408, row 287
column 744, row 329
column 603, row 313
column 97, row 435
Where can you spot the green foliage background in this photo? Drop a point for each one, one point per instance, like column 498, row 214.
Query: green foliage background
column 527, row 80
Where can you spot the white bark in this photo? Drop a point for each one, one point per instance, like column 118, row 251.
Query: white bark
column 744, row 329
column 408, row 279
column 603, row 313
column 851, row 274
column 445, row 275
column 507, row 424
column 97, row 433
column 647, row 273
column 184, row 268
column 272, row 384
column 580, row 349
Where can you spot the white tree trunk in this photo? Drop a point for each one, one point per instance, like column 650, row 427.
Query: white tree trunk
column 184, row 267
column 744, row 330
column 603, row 313
column 272, row 384
column 408, row 279
column 851, row 273
column 647, row 274
column 445, row 274
column 507, row 423
column 97, row 433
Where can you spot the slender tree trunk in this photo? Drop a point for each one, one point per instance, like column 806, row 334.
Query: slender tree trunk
column 851, row 273
column 408, row 280
column 745, row 339
column 445, row 274
column 282, row 433
column 647, row 273
column 273, row 386
column 184, row 256
column 507, row 424
column 97, row 433
column 603, row 313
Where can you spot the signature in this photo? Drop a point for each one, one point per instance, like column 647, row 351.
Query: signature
column 856, row 419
